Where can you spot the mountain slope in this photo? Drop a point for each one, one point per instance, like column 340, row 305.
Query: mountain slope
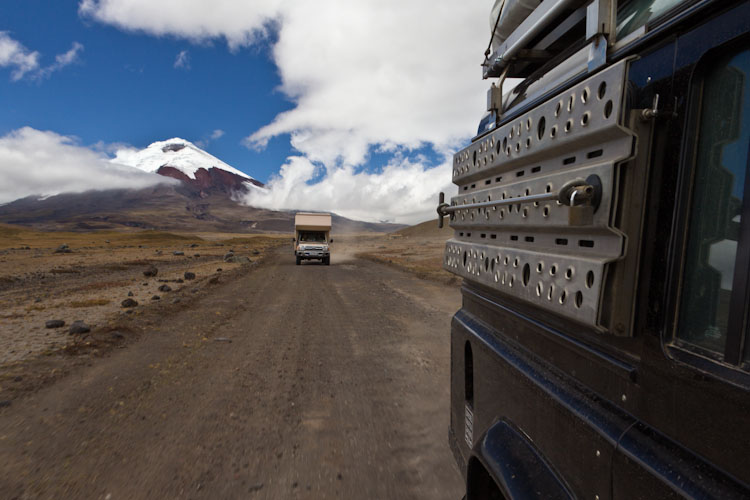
column 204, row 200
column 164, row 207
column 183, row 160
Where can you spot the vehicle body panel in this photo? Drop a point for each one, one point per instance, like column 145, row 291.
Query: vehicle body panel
column 594, row 414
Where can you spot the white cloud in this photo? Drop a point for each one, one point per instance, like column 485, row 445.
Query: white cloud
column 69, row 57
column 62, row 60
column 26, row 63
column 16, row 56
column 403, row 192
column 183, row 60
column 240, row 23
column 386, row 74
column 206, row 140
column 34, row 162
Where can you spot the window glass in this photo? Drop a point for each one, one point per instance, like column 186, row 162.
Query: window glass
column 312, row 236
column 718, row 193
column 637, row 13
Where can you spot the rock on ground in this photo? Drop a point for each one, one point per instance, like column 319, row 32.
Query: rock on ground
column 79, row 327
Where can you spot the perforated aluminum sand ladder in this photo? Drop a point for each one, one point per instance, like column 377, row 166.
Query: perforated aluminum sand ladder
column 578, row 194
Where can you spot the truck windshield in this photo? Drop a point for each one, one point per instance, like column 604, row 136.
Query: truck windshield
column 317, row 236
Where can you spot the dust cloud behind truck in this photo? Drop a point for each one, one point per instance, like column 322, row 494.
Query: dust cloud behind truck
column 312, row 237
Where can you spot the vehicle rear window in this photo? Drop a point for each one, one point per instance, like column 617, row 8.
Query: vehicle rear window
column 638, row 13
column 713, row 308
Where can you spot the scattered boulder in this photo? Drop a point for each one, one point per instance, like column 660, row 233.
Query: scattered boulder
column 179, row 280
column 176, row 301
column 63, row 249
column 193, row 245
column 155, row 297
column 189, row 275
column 127, row 303
column 218, row 269
column 130, row 294
column 228, row 257
column 117, row 335
column 151, row 271
column 165, row 288
column 214, row 280
column 4, row 404
column 178, row 252
column 196, row 255
column 54, row 323
column 79, row 327
column 256, row 252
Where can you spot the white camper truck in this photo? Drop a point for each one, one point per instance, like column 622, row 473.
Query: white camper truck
column 312, row 237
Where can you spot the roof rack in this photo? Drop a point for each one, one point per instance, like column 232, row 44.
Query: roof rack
column 551, row 29
column 557, row 41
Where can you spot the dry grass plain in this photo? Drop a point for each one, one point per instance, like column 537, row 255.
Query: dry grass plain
column 104, row 268
column 417, row 249
column 89, row 284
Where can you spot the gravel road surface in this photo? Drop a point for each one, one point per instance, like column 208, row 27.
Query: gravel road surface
column 282, row 382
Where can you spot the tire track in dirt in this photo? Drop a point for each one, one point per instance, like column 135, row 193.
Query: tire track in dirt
column 334, row 385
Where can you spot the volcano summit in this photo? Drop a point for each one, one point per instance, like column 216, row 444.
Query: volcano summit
column 183, row 160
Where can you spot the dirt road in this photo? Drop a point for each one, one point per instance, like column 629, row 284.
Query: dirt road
column 283, row 382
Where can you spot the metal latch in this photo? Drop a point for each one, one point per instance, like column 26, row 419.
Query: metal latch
column 582, row 196
column 653, row 112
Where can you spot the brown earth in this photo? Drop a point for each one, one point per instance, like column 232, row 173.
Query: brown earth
column 266, row 380
column 89, row 283
column 417, row 249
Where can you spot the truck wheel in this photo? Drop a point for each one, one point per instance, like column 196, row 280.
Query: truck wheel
column 299, row 260
column 327, row 261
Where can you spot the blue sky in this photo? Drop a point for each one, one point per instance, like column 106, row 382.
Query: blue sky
column 337, row 106
column 125, row 88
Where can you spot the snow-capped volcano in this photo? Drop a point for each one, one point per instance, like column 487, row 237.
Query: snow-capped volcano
column 185, row 161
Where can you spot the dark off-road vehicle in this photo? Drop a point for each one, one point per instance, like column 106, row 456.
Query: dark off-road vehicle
column 603, row 233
